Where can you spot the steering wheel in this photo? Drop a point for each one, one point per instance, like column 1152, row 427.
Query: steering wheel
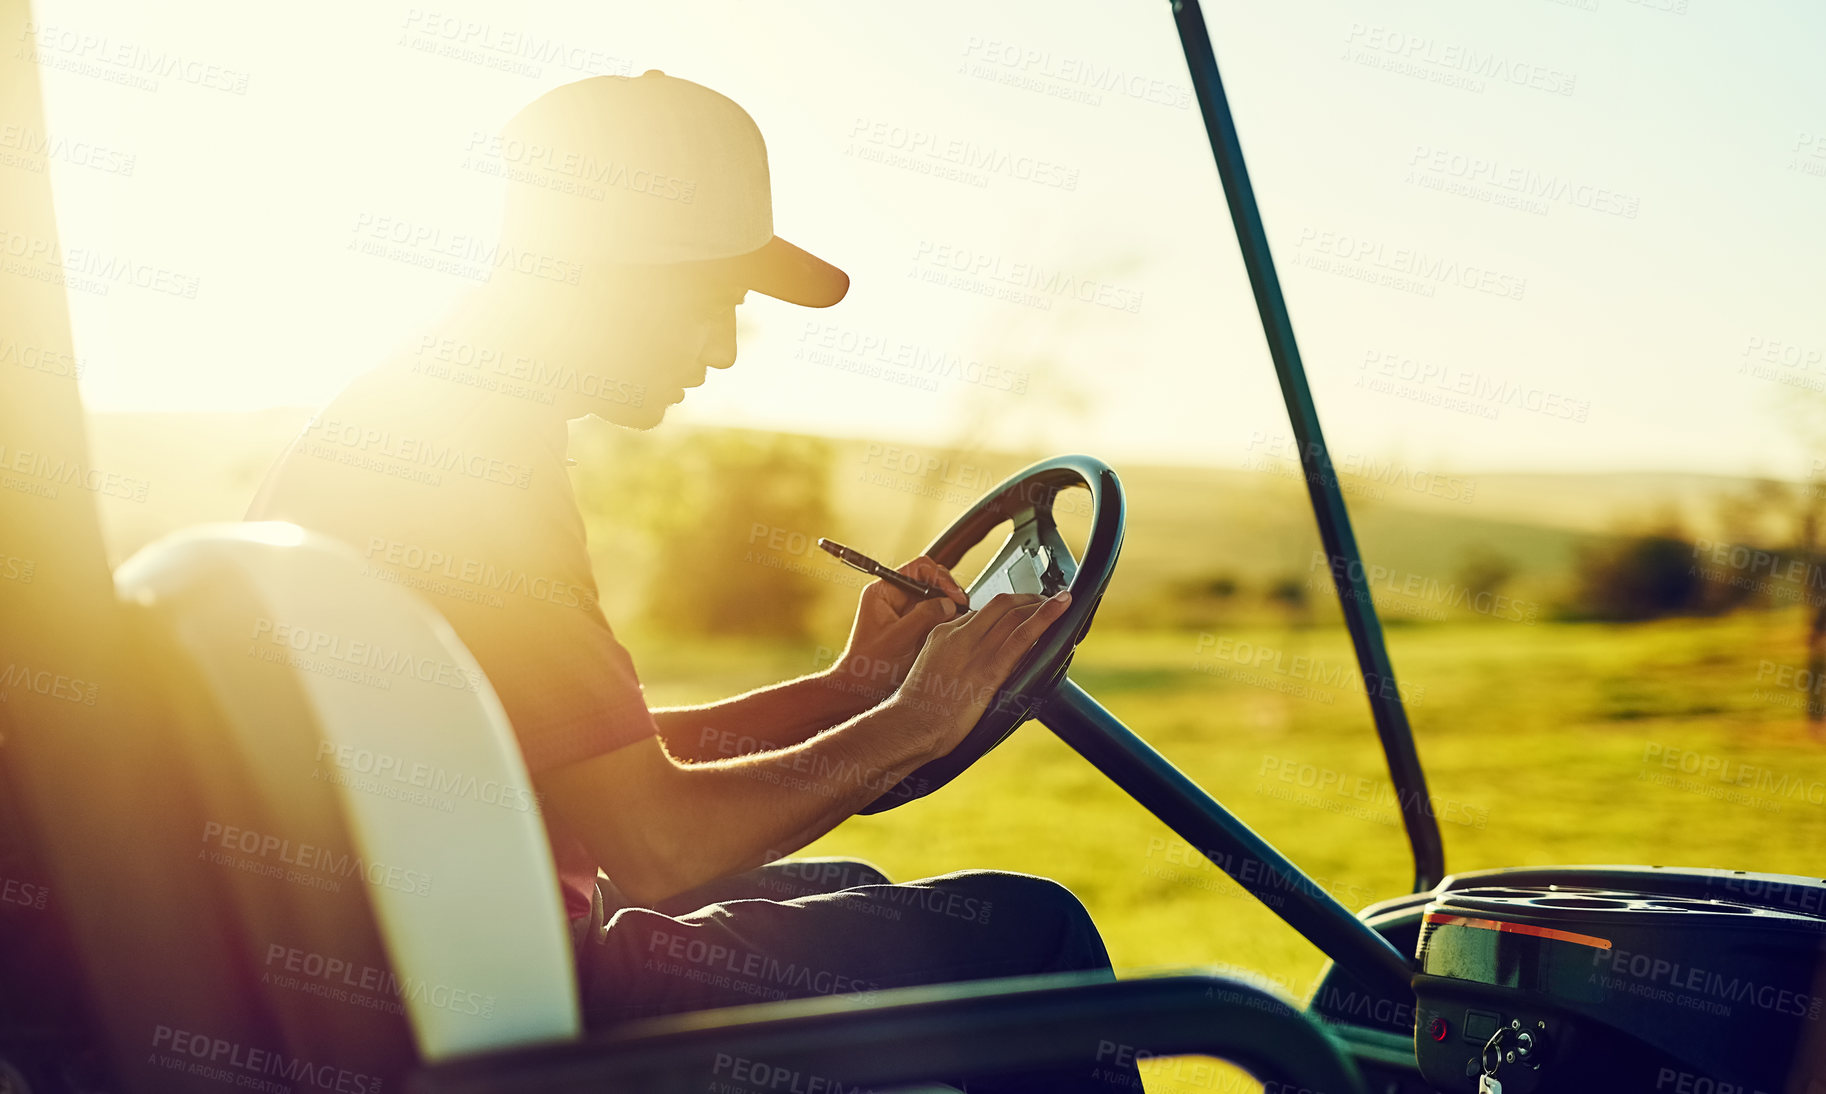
column 1033, row 559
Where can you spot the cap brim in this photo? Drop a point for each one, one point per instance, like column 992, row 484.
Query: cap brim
column 785, row 272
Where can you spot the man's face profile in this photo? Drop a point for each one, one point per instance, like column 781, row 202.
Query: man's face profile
column 660, row 269
column 639, row 338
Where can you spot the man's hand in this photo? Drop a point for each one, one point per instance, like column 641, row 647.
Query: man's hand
column 890, row 629
column 965, row 661
column 659, row 826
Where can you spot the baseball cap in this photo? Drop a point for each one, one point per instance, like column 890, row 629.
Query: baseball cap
column 652, row 169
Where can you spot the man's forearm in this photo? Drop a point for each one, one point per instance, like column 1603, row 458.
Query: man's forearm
column 673, row 826
column 767, row 718
column 660, row 827
column 785, row 799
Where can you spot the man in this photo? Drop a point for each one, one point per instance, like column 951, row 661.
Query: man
column 639, row 217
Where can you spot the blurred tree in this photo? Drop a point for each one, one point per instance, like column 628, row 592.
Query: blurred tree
column 1807, row 422
column 727, row 522
column 1220, row 586
column 1289, row 592
column 1785, row 520
column 1198, row 601
column 1639, row 576
column 1484, row 571
column 1809, row 504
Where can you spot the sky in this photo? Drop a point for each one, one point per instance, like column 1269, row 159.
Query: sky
column 1514, row 235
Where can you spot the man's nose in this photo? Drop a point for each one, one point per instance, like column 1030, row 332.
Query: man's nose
column 719, row 342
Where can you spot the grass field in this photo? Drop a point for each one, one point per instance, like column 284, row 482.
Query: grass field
column 1674, row 743
column 1544, row 743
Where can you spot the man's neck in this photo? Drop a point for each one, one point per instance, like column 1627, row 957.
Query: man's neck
column 492, row 357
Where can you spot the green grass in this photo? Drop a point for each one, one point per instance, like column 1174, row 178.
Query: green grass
column 1541, row 746
column 1538, row 740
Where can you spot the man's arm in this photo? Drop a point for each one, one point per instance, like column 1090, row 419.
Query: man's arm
column 659, row 827
column 765, row 719
column 889, row 631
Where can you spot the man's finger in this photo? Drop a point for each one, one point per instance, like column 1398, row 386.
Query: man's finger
column 891, row 594
column 932, row 611
column 925, row 569
column 1034, row 626
column 1002, row 631
column 998, row 607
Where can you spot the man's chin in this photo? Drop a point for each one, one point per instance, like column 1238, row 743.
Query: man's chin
column 645, row 416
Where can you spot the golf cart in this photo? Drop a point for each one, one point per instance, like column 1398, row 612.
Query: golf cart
column 186, row 903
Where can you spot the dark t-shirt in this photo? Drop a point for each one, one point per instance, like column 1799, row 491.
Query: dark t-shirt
column 463, row 496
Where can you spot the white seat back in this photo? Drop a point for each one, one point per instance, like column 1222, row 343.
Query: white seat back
column 433, row 788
